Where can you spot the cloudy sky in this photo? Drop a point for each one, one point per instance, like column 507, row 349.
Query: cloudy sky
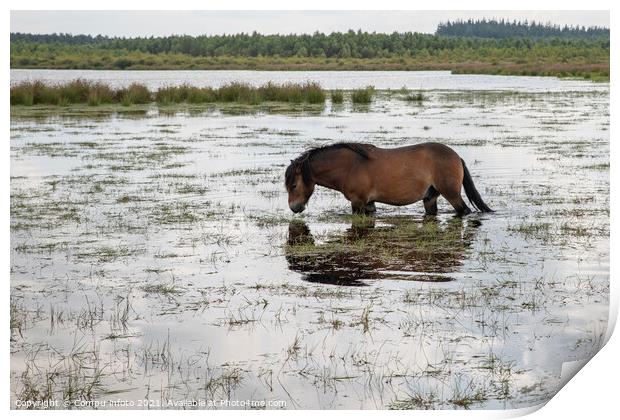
column 147, row 23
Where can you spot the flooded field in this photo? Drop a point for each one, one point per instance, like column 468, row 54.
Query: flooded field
column 154, row 257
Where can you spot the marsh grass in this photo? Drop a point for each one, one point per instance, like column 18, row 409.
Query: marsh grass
column 292, row 92
column 161, row 289
column 184, row 93
column 17, row 317
column 337, row 97
column 77, row 91
column 416, row 401
column 134, row 94
column 81, row 91
column 363, row 96
column 415, row 97
column 224, row 384
column 74, row 376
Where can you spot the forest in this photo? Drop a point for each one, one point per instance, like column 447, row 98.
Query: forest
column 492, row 47
column 501, row 29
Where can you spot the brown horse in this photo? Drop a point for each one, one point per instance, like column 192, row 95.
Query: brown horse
column 366, row 175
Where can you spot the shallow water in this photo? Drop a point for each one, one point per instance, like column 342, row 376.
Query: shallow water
column 422, row 80
column 154, row 256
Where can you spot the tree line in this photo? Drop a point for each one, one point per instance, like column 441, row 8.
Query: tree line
column 502, row 28
column 352, row 44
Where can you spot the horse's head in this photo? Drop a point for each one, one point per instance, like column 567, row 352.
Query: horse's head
column 299, row 184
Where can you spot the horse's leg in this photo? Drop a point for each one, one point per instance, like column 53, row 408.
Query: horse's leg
column 457, row 202
column 357, row 207
column 430, row 201
column 449, row 185
column 370, row 208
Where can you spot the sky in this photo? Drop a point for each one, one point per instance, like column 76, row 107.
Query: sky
column 161, row 23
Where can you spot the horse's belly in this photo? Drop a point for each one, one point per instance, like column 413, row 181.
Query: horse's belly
column 399, row 184
column 400, row 198
column 398, row 202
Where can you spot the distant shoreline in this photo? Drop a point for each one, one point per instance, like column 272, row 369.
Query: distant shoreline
column 462, row 47
column 596, row 71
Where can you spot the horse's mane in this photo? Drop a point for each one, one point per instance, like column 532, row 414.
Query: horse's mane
column 303, row 160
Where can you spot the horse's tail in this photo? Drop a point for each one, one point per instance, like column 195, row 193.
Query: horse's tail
column 472, row 193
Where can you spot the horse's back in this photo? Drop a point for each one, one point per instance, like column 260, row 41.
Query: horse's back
column 403, row 175
column 430, row 150
column 423, row 158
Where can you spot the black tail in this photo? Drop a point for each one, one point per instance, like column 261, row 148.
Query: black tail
column 472, row 193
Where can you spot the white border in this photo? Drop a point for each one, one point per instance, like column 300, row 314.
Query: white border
column 592, row 394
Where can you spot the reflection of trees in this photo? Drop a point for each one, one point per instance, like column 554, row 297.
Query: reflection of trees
column 402, row 248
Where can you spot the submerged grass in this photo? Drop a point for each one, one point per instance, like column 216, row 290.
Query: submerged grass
column 415, row 97
column 81, row 91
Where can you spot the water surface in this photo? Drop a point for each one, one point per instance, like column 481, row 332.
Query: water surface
column 422, row 80
column 153, row 255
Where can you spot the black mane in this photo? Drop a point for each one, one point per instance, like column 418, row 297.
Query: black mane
column 303, row 161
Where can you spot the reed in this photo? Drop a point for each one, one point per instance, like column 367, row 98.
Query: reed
column 135, row 93
column 337, row 97
column 238, row 92
column 77, row 91
column 95, row 93
column 415, row 97
column 363, row 96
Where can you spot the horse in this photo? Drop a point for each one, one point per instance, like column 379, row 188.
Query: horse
column 367, row 174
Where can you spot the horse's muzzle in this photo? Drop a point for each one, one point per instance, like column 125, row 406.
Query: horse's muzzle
column 297, row 208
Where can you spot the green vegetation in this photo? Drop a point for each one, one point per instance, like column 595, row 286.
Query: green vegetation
column 243, row 93
column 362, row 96
column 95, row 93
column 415, row 97
column 500, row 29
column 574, row 56
column 77, row 92
column 161, row 289
column 134, row 94
column 337, row 97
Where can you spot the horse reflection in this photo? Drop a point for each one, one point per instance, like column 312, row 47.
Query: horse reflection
column 400, row 248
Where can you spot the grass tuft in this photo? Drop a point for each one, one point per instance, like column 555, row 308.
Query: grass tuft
column 415, row 97
column 363, row 96
column 337, row 97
